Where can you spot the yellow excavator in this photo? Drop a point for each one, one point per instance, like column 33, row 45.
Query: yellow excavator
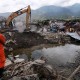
column 17, row 13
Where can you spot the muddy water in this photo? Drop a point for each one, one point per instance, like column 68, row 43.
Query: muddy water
column 58, row 55
column 55, row 55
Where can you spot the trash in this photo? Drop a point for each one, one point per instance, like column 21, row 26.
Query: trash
column 32, row 70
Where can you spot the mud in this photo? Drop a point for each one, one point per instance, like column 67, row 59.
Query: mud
column 26, row 39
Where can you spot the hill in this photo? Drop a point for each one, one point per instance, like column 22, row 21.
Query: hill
column 50, row 12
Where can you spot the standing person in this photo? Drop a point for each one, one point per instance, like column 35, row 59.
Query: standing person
column 2, row 54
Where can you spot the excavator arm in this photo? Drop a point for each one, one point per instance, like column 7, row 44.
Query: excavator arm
column 20, row 12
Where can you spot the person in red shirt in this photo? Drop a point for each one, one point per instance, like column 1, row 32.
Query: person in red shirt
column 2, row 54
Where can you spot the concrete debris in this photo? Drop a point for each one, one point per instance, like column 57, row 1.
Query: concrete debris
column 32, row 70
column 35, row 70
column 16, row 60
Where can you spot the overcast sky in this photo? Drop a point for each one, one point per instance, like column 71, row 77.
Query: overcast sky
column 13, row 5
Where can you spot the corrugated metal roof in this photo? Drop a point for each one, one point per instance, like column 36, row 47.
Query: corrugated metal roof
column 74, row 35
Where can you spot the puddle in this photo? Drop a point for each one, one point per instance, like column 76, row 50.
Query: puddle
column 58, row 55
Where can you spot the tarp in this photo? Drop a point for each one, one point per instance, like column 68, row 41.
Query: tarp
column 73, row 35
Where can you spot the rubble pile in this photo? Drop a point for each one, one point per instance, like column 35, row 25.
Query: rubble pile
column 26, row 39
column 32, row 70
column 57, row 38
column 36, row 70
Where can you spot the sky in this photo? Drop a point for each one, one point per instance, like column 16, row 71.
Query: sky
column 14, row 5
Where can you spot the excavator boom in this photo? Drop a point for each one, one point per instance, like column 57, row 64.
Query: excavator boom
column 20, row 12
